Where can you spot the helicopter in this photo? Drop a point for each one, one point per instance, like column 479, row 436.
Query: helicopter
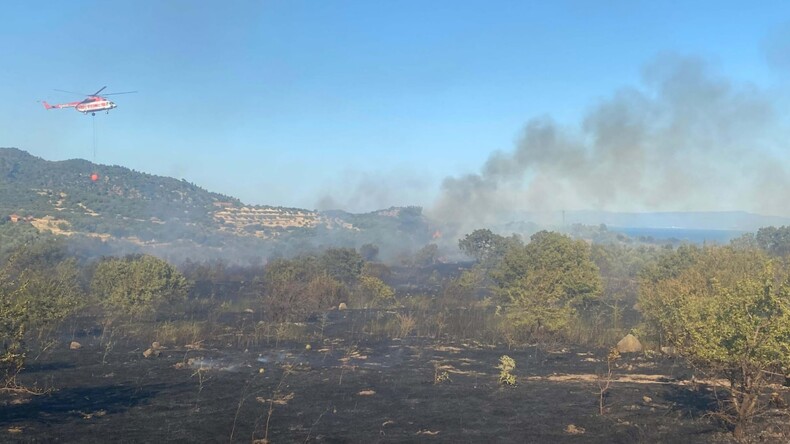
column 92, row 104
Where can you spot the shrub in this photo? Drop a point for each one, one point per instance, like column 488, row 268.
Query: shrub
column 137, row 286
column 506, row 367
column 728, row 311
column 372, row 292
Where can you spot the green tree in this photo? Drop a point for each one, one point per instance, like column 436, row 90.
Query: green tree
column 485, row 246
column 774, row 240
column 544, row 283
column 728, row 311
column 137, row 286
column 343, row 264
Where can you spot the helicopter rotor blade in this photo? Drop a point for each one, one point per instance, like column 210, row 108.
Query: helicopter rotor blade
column 115, row 94
column 71, row 92
column 97, row 92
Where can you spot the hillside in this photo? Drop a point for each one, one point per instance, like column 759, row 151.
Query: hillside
column 139, row 211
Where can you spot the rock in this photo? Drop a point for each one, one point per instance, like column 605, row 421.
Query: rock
column 151, row 352
column 574, row 430
column 669, row 351
column 629, row 344
column 249, row 310
column 647, row 399
column 342, row 306
column 75, row 345
column 156, row 345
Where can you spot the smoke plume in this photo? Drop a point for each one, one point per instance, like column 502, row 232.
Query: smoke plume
column 687, row 139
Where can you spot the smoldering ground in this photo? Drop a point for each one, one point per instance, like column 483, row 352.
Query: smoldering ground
column 686, row 139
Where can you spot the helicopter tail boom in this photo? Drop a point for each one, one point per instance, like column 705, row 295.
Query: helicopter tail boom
column 60, row 105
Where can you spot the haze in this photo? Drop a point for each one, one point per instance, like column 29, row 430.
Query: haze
column 474, row 110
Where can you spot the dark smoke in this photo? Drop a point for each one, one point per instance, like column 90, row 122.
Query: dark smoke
column 688, row 139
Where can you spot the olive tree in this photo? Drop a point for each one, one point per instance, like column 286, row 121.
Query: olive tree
column 727, row 311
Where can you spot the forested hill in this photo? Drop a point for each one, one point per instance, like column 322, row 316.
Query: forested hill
column 147, row 211
column 38, row 187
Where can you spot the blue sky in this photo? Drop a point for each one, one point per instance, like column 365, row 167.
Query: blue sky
column 359, row 104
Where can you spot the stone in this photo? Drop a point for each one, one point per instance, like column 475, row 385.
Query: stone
column 629, row 344
column 75, row 345
column 151, row 352
column 342, row 306
column 574, row 430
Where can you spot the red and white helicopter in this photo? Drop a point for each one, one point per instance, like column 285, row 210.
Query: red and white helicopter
column 93, row 103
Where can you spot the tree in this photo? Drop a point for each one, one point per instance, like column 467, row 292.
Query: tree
column 727, row 311
column 774, row 240
column 485, row 246
column 137, row 285
column 343, row 264
column 544, row 283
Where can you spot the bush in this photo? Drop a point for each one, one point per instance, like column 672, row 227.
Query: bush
column 293, row 289
column 372, row 292
column 137, row 286
column 728, row 311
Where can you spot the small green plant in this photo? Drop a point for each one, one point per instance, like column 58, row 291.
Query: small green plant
column 506, row 366
column 440, row 374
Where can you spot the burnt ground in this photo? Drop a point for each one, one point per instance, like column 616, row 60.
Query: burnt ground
column 376, row 390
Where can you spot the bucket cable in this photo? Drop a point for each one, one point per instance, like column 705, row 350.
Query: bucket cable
column 93, row 119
